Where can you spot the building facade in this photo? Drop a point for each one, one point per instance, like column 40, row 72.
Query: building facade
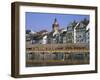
column 75, row 32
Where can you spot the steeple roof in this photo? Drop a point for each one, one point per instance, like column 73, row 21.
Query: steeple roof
column 55, row 23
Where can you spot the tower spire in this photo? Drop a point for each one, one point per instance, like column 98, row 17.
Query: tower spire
column 55, row 25
column 55, row 22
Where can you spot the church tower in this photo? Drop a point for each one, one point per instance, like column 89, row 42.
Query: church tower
column 55, row 26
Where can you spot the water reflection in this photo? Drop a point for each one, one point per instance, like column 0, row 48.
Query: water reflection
column 55, row 58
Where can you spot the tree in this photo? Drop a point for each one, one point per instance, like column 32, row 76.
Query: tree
column 85, row 21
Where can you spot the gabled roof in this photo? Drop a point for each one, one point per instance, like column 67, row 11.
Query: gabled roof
column 87, row 30
column 81, row 25
column 72, row 24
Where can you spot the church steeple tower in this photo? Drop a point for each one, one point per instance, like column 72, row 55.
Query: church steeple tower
column 55, row 25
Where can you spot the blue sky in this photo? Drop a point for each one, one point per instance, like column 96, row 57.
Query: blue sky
column 41, row 21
